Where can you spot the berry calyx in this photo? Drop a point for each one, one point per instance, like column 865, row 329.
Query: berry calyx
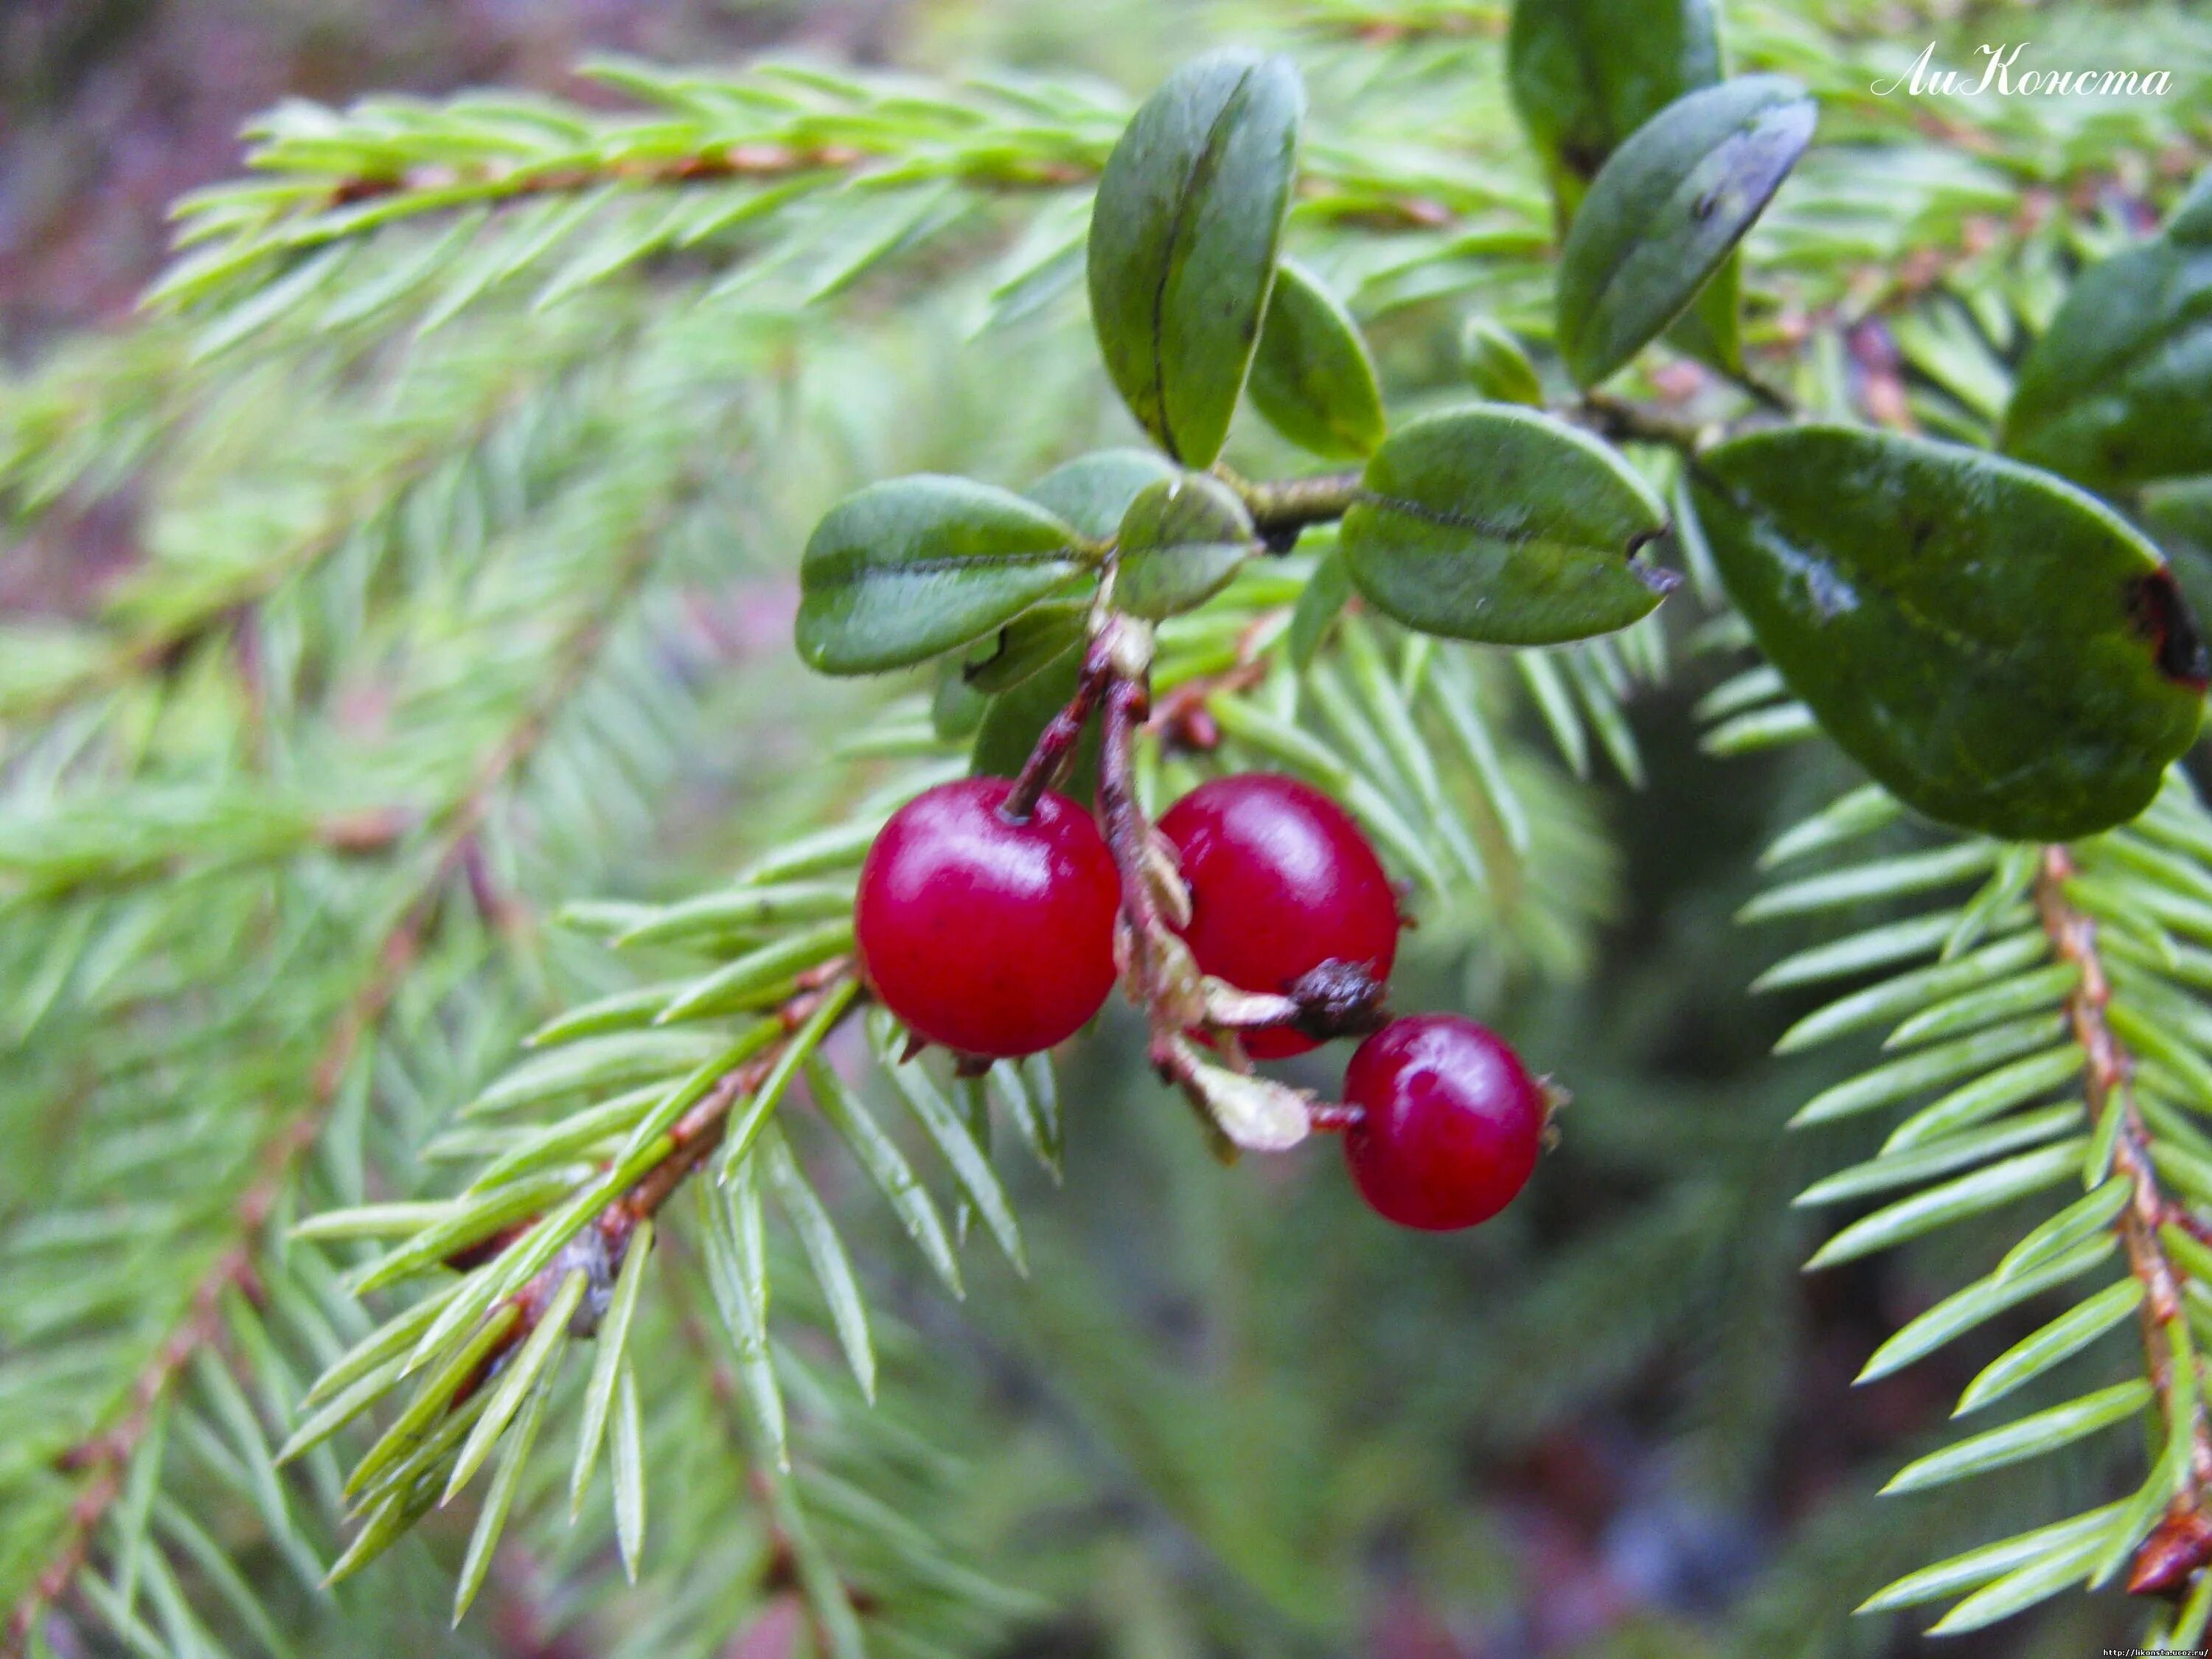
column 989, row 936
column 1281, row 882
column 1449, row 1126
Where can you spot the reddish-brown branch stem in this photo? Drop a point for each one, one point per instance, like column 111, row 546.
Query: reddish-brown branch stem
column 2108, row 1084
column 716, row 164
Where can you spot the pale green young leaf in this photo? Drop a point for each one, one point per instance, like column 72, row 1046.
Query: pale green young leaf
column 2058, row 1341
column 879, row 1156
column 761, row 977
column 1849, row 817
column 2023, row 1587
column 1881, row 878
column 970, row 1162
column 1986, row 1096
column 1899, row 1079
column 498, row 1498
column 1935, row 1157
column 626, row 1461
column 2007, row 998
column 1899, row 995
column 825, row 1253
column 748, row 1118
column 2033, row 1436
column 609, row 1344
column 1985, row 1189
column 1983, row 1300
column 539, row 1357
column 1973, row 1568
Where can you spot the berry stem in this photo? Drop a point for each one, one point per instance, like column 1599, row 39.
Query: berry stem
column 1158, row 969
column 1055, row 744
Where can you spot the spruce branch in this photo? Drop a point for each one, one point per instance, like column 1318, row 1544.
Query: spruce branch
column 129, row 649
column 105, row 1456
column 718, row 156
column 2182, row 1544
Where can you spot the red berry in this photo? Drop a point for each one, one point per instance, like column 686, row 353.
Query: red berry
column 988, row 936
column 1282, row 880
column 1449, row 1126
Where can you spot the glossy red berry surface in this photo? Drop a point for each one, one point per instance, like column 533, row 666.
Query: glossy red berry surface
column 1450, row 1123
column 1282, row 880
column 985, row 935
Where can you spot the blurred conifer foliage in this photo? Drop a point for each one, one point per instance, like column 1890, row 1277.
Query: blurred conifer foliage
column 460, row 1194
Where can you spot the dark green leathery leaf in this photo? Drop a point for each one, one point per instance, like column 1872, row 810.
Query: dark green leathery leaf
column 2191, row 222
column 1092, row 491
column 1025, row 646
column 1710, row 330
column 905, row 569
column 1183, row 242
column 1663, row 214
column 1312, row 377
column 1585, row 73
column 1495, row 523
column 1181, row 541
column 1996, row 647
column 2118, row 390
column 956, row 708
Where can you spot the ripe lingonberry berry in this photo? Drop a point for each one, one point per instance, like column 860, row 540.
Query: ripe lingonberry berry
column 1449, row 1126
column 1282, row 880
column 989, row 936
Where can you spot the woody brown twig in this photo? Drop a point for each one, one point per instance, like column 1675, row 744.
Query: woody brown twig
column 2181, row 1544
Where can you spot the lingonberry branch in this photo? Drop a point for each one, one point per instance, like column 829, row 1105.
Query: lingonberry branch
column 2182, row 1542
column 1288, row 505
column 1281, row 507
column 108, row 1451
column 1621, row 419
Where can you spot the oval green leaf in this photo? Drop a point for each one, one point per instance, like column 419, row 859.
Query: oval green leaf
column 956, row 708
column 2118, row 390
column 1181, row 542
column 1312, row 378
column 1497, row 365
column 1092, row 491
column 904, row 570
column 2192, row 220
column 1996, row 647
column 1319, row 604
column 1022, row 647
column 1184, row 241
column 1585, row 73
column 1498, row 524
column 1663, row 214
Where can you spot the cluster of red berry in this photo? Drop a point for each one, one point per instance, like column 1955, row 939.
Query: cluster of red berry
column 994, row 935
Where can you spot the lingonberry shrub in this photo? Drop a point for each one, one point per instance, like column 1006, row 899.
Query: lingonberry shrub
column 1846, row 427
column 990, row 933
column 1283, row 883
column 1449, row 1122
